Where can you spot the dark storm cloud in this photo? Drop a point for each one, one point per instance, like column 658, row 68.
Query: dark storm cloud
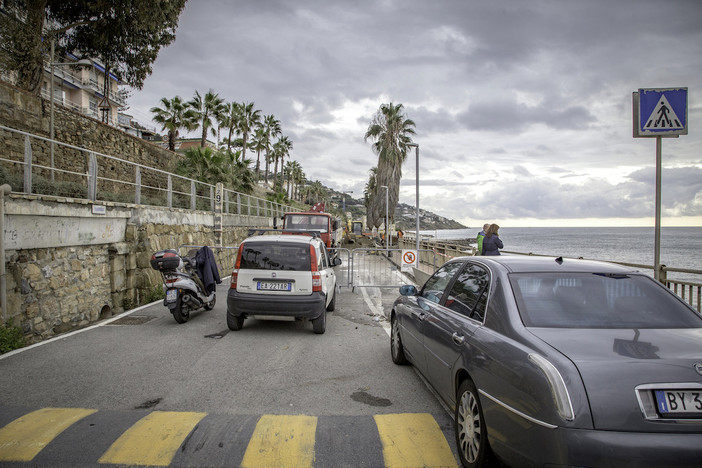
column 521, row 100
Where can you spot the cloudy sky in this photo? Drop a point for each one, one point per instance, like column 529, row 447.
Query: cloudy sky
column 523, row 109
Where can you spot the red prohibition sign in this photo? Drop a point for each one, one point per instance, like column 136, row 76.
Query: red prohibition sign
column 408, row 257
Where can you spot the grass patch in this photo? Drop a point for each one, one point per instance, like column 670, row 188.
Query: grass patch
column 11, row 338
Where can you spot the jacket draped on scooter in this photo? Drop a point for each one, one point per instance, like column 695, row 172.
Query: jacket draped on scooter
column 207, row 268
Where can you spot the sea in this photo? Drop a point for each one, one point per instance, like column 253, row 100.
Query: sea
column 681, row 247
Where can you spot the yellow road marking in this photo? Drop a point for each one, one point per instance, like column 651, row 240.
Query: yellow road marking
column 25, row 437
column 153, row 440
column 413, row 440
column 281, row 441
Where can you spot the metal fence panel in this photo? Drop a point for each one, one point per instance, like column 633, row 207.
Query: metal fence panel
column 378, row 268
column 343, row 275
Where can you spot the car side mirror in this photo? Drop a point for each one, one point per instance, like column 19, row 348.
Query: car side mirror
column 408, row 290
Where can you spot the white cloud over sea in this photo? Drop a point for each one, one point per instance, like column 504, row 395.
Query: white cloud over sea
column 522, row 108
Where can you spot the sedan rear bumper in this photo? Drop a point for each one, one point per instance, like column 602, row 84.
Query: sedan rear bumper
column 309, row 307
column 563, row 447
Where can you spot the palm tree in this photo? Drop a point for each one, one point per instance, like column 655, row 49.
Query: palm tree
column 248, row 121
column 258, row 144
column 317, row 193
column 391, row 131
column 174, row 115
column 272, row 129
column 203, row 164
column 211, row 166
column 207, row 109
column 281, row 150
column 298, row 178
column 229, row 119
column 240, row 176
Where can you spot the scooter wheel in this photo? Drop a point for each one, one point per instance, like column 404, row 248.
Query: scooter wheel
column 180, row 314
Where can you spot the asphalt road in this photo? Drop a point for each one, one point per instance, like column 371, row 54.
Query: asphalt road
column 227, row 383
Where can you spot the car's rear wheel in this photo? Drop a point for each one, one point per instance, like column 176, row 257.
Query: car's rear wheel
column 396, row 349
column 181, row 313
column 319, row 325
column 235, row 322
column 470, row 428
column 332, row 303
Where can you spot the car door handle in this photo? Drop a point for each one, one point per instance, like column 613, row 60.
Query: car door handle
column 458, row 339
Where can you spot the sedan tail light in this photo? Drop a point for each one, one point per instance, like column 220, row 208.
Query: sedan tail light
column 558, row 387
column 235, row 278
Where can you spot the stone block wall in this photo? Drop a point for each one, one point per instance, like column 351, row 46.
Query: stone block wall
column 29, row 113
column 53, row 290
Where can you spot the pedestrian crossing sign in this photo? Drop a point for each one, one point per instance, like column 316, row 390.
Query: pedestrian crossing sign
column 661, row 112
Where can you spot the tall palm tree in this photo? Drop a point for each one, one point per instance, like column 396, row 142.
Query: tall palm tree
column 229, row 119
column 272, row 129
column 298, row 178
column 391, row 132
column 258, row 144
column 317, row 193
column 174, row 115
column 248, row 120
column 293, row 175
column 208, row 109
column 281, row 150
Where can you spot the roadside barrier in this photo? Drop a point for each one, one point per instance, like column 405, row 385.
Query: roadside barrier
column 375, row 267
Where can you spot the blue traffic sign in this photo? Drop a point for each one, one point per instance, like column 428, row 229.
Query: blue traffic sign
column 662, row 112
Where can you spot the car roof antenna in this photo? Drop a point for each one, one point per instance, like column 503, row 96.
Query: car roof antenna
column 559, row 260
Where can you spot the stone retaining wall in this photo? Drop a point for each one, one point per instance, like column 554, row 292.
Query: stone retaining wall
column 81, row 279
column 29, row 113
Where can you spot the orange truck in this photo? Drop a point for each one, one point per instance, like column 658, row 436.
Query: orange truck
column 316, row 219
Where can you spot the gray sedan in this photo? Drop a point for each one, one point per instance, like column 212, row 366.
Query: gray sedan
column 557, row 362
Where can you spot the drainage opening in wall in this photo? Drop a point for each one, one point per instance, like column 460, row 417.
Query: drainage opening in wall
column 105, row 312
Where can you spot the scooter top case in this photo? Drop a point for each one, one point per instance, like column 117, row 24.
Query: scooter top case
column 166, row 260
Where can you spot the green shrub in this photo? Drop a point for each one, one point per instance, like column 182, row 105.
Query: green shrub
column 155, row 294
column 11, row 337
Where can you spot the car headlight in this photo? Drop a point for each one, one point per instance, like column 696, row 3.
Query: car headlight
column 558, row 387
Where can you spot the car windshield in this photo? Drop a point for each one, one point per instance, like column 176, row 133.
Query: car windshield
column 306, row 221
column 591, row 300
column 275, row 256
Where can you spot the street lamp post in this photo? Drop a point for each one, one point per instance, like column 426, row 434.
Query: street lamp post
column 416, row 147
column 52, row 64
column 387, row 229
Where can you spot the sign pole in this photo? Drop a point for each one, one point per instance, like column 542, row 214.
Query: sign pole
column 659, row 113
column 657, row 252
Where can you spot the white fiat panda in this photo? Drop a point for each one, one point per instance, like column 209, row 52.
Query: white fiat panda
column 286, row 276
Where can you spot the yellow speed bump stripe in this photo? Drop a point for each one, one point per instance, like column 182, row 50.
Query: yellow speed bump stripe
column 413, row 440
column 25, row 437
column 282, row 441
column 153, row 440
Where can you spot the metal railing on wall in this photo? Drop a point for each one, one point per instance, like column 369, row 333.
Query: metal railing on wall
column 81, row 173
